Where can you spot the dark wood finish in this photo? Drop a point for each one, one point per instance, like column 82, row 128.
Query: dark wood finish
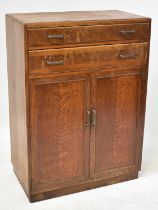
column 60, row 140
column 88, row 185
column 74, row 59
column 17, row 100
column 77, row 18
column 77, row 109
column 53, row 37
column 115, row 142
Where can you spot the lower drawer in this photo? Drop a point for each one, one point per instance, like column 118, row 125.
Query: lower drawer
column 82, row 58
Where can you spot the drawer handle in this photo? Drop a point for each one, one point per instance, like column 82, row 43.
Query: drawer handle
column 93, row 118
column 52, row 36
column 88, row 114
column 55, row 62
column 127, row 32
column 127, row 55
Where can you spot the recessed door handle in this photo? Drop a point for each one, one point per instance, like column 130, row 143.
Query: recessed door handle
column 93, row 117
column 88, row 118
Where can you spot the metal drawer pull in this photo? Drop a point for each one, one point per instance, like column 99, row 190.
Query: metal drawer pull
column 93, row 117
column 126, row 32
column 127, row 55
column 52, row 36
column 88, row 114
column 55, row 62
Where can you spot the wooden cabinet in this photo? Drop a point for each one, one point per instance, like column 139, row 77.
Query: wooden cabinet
column 77, row 92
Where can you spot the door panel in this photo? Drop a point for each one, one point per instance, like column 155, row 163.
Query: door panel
column 115, row 140
column 60, row 140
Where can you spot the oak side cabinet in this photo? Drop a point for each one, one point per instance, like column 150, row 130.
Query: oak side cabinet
column 77, row 94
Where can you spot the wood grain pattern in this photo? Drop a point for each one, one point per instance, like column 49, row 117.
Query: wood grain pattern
column 86, row 34
column 59, row 146
column 87, row 185
column 87, row 57
column 17, row 100
column 116, row 127
column 78, row 123
column 50, row 19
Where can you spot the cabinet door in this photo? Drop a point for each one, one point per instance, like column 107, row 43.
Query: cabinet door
column 115, row 139
column 59, row 136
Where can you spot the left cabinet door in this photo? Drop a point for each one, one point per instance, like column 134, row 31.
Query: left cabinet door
column 59, row 131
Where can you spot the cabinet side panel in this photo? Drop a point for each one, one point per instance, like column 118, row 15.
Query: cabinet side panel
column 143, row 102
column 17, row 99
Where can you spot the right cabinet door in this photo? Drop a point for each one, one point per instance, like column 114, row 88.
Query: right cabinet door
column 116, row 137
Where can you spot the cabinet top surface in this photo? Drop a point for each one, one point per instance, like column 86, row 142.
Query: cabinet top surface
column 76, row 18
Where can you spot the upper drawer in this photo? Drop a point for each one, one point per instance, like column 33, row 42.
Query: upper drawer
column 80, row 58
column 57, row 37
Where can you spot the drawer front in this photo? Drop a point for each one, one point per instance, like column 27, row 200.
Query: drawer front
column 49, row 37
column 82, row 58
